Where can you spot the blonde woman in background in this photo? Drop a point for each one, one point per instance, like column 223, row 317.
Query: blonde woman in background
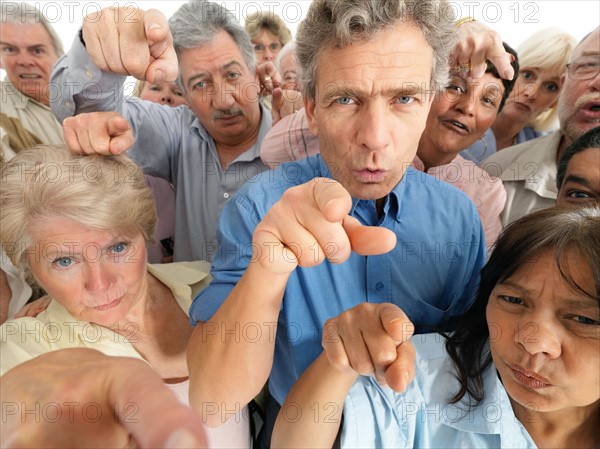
column 268, row 33
column 530, row 111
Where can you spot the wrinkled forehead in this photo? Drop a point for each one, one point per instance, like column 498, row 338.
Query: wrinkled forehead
column 589, row 46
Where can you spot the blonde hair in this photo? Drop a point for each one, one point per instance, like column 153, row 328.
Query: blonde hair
column 102, row 192
column 548, row 49
column 258, row 21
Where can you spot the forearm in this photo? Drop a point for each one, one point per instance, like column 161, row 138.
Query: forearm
column 312, row 412
column 239, row 339
column 79, row 86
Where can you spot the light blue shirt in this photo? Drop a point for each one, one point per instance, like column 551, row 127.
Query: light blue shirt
column 421, row 417
column 432, row 273
column 170, row 143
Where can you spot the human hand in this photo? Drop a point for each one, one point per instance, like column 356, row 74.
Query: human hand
column 269, row 78
column 88, row 399
column 476, row 44
column 372, row 339
column 98, row 133
column 284, row 103
column 34, row 308
column 310, row 223
column 130, row 41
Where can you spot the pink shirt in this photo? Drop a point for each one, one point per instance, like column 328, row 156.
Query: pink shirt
column 291, row 140
column 486, row 191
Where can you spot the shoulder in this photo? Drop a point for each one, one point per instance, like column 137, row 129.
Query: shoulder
column 532, row 151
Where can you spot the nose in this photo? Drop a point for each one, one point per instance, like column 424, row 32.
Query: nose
column 25, row 59
column 166, row 99
column 268, row 54
column 223, row 97
column 465, row 104
column 373, row 130
column 539, row 337
column 99, row 277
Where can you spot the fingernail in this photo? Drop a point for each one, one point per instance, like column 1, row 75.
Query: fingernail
column 182, row 439
column 154, row 26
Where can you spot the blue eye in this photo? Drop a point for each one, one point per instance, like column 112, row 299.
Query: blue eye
column 344, row 100
column 405, row 99
column 119, row 248
column 63, row 262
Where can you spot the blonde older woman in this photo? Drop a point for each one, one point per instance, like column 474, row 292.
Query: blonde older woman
column 79, row 226
column 530, row 110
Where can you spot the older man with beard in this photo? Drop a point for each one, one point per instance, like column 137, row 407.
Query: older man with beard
column 529, row 170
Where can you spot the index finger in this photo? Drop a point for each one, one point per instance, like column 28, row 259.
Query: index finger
column 156, row 418
column 163, row 65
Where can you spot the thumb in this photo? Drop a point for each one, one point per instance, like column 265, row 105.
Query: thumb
column 121, row 135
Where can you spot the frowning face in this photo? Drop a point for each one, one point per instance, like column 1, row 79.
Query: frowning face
column 97, row 275
column 545, row 335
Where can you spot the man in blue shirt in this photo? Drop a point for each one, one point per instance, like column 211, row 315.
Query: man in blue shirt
column 278, row 274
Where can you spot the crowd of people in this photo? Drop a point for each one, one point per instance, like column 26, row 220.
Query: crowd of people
column 380, row 232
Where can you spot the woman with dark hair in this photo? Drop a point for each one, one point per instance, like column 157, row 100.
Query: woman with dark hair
column 520, row 370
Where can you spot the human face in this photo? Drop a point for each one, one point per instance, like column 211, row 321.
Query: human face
column 266, row 46
column 460, row 115
column 581, row 185
column 165, row 92
column 289, row 72
column 370, row 109
column 536, row 89
column 545, row 335
column 221, row 91
column 98, row 276
column 27, row 55
column 579, row 101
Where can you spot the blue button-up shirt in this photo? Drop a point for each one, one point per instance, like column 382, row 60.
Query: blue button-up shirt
column 432, row 273
column 421, row 417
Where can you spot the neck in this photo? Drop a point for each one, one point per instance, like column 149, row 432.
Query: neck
column 434, row 158
column 505, row 131
column 573, row 427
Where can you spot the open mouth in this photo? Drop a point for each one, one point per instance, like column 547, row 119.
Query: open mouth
column 29, row 77
column 459, row 126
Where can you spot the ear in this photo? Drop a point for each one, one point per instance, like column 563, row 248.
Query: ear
column 310, row 107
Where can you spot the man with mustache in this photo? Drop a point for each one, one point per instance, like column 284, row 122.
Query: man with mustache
column 207, row 150
column 29, row 47
column 529, row 170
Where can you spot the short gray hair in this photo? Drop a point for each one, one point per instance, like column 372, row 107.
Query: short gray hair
column 338, row 23
column 290, row 47
column 197, row 22
column 21, row 13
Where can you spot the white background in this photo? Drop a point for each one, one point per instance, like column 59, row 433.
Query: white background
column 515, row 20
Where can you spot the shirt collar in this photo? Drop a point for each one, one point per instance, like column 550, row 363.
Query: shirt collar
column 21, row 100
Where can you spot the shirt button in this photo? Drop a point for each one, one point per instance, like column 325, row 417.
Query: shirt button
column 379, row 286
column 89, row 74
column 226, row 195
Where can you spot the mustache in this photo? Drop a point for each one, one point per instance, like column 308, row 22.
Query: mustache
column 227, row 113
column 583, row 100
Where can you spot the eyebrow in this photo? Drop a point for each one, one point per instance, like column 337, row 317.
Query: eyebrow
column 223, row 68
column 410, row 89
column 573, row 302
column 579, row 180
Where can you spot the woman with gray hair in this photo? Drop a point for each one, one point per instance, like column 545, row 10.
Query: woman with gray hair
column 79, row 226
